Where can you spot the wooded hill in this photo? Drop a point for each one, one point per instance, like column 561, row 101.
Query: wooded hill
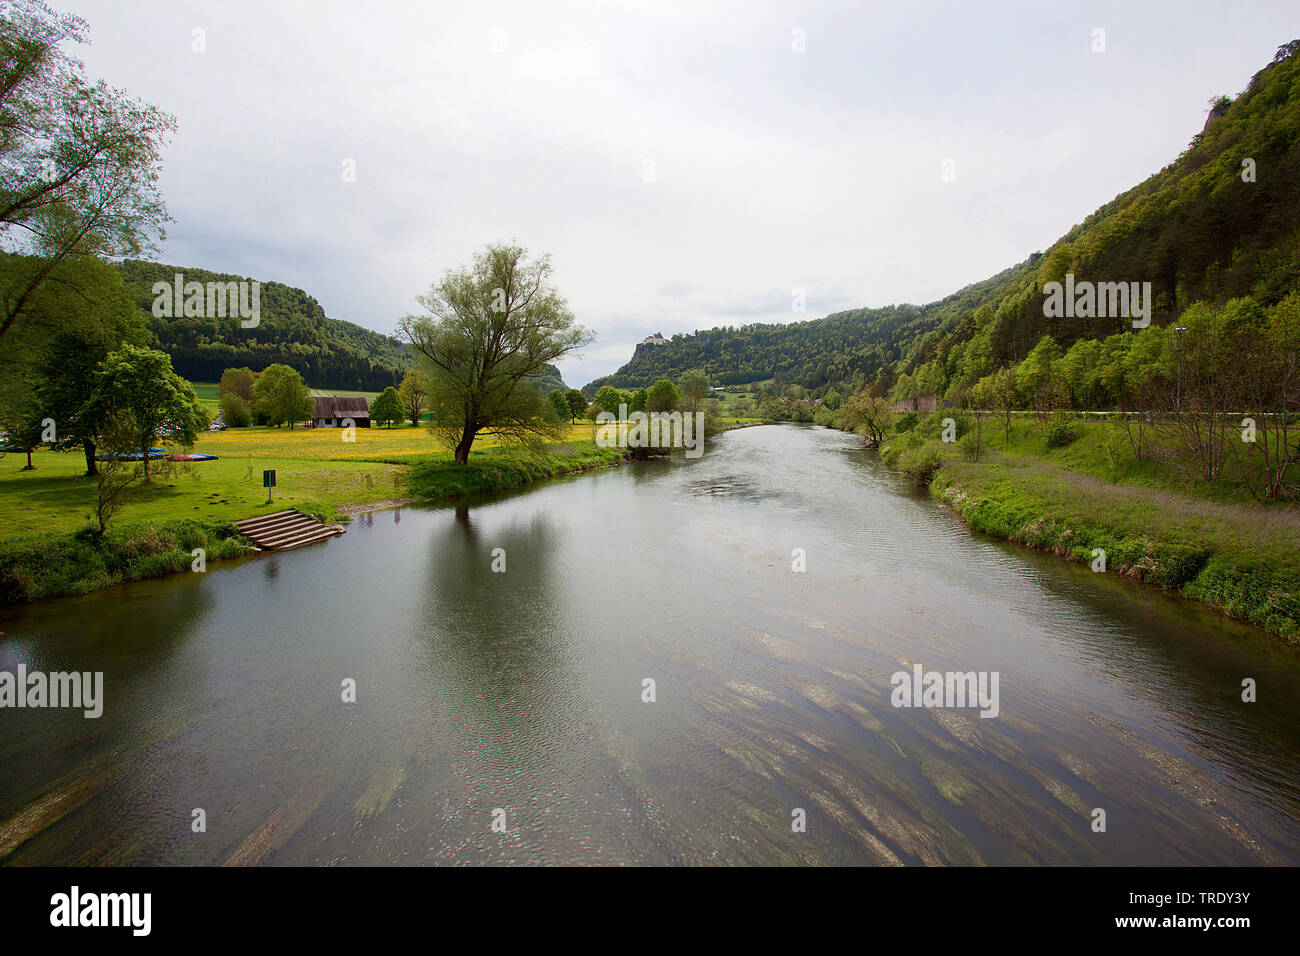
column 293, row 329
column 1221, row 221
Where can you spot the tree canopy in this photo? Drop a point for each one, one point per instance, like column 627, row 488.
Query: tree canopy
column 491, row 327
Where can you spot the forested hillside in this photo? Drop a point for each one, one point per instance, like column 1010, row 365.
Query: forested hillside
column 1220, row 222
column 293, row 329
column 860, row 342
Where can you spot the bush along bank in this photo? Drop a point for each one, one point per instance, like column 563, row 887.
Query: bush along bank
column 505, row 469
column 35, row 568
column 1224, row 555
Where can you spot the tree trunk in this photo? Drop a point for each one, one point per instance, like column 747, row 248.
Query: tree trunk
column 89, row 447
column 463, row 446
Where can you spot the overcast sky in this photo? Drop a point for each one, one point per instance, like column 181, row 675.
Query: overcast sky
column 684, row 163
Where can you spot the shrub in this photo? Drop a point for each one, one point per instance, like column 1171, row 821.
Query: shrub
column 921, row 464
column 32, row 569
column 905, row 422
column 1059, row 433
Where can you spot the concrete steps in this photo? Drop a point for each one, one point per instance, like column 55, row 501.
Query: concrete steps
column 285, row 529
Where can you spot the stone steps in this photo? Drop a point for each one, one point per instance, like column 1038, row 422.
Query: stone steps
column 284, row 530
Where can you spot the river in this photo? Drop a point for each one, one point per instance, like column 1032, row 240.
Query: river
column 503, row 716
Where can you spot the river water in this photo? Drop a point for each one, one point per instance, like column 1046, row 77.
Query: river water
column 503, row 716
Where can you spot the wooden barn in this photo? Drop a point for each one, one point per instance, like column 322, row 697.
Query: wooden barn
column 331, row 410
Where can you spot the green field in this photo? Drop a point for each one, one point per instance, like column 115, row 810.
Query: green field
column 207, row 393
column 57, row 498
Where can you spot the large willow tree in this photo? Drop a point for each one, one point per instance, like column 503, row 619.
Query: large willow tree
column 491, row 329
column 79, row 161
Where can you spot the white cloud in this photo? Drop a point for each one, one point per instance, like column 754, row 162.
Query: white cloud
column 774, row 169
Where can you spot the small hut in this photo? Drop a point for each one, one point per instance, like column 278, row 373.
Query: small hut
column 332, row 410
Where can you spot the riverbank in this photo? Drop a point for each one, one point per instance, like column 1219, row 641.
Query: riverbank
column 1236, row 556
column 156, row 532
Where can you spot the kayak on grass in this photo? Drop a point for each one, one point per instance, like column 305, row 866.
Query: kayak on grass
column 130, row 455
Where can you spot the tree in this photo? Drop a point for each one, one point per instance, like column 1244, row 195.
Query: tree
column 490, row 328
column 1270, row 394
column 870, row 412
column 609, row 398
column 577, row 404
column 695, row 389
column 113, row 479
column 238, row 382
column 1004, row 394
column 662, row 396
column 387, row 407
column 639, row 399
column 559, row 403
column 280, row 395
column 23, row 429
column 49, row 364
column 138, row 397
column 80, row 161
column 412, row 394
column 235, row 411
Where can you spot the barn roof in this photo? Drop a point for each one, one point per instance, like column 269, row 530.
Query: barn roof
column 333, row 406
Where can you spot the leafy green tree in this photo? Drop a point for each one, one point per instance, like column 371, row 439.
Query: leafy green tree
column 238, row 382
column 1004, row 393
column 387, row 407
column 81, row 159
column 280, row 395
column 662, row 396
column 138, row 396
column 48, row 365
column 695, row 389
column 559, row 403
column 235, row 411
column 413, row 396
column 609, row 398
column 869, row 412
column 490, row 328
column 23, row 429
column 639, row 399
column 577, row 404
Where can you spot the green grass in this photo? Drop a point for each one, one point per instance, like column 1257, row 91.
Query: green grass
column 56, row 498
column 1205, row 540
column 343, row 393
column 43, row 567
column 207, row 393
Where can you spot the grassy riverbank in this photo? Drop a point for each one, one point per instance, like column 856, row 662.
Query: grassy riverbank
column 47, row 550
column 1201, row 540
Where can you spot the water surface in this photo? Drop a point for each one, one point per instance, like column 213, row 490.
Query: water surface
column 522, row 691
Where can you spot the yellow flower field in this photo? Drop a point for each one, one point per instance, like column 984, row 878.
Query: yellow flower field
column 327, row 444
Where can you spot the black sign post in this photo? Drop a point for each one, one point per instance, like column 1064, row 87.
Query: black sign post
column 268, row 481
